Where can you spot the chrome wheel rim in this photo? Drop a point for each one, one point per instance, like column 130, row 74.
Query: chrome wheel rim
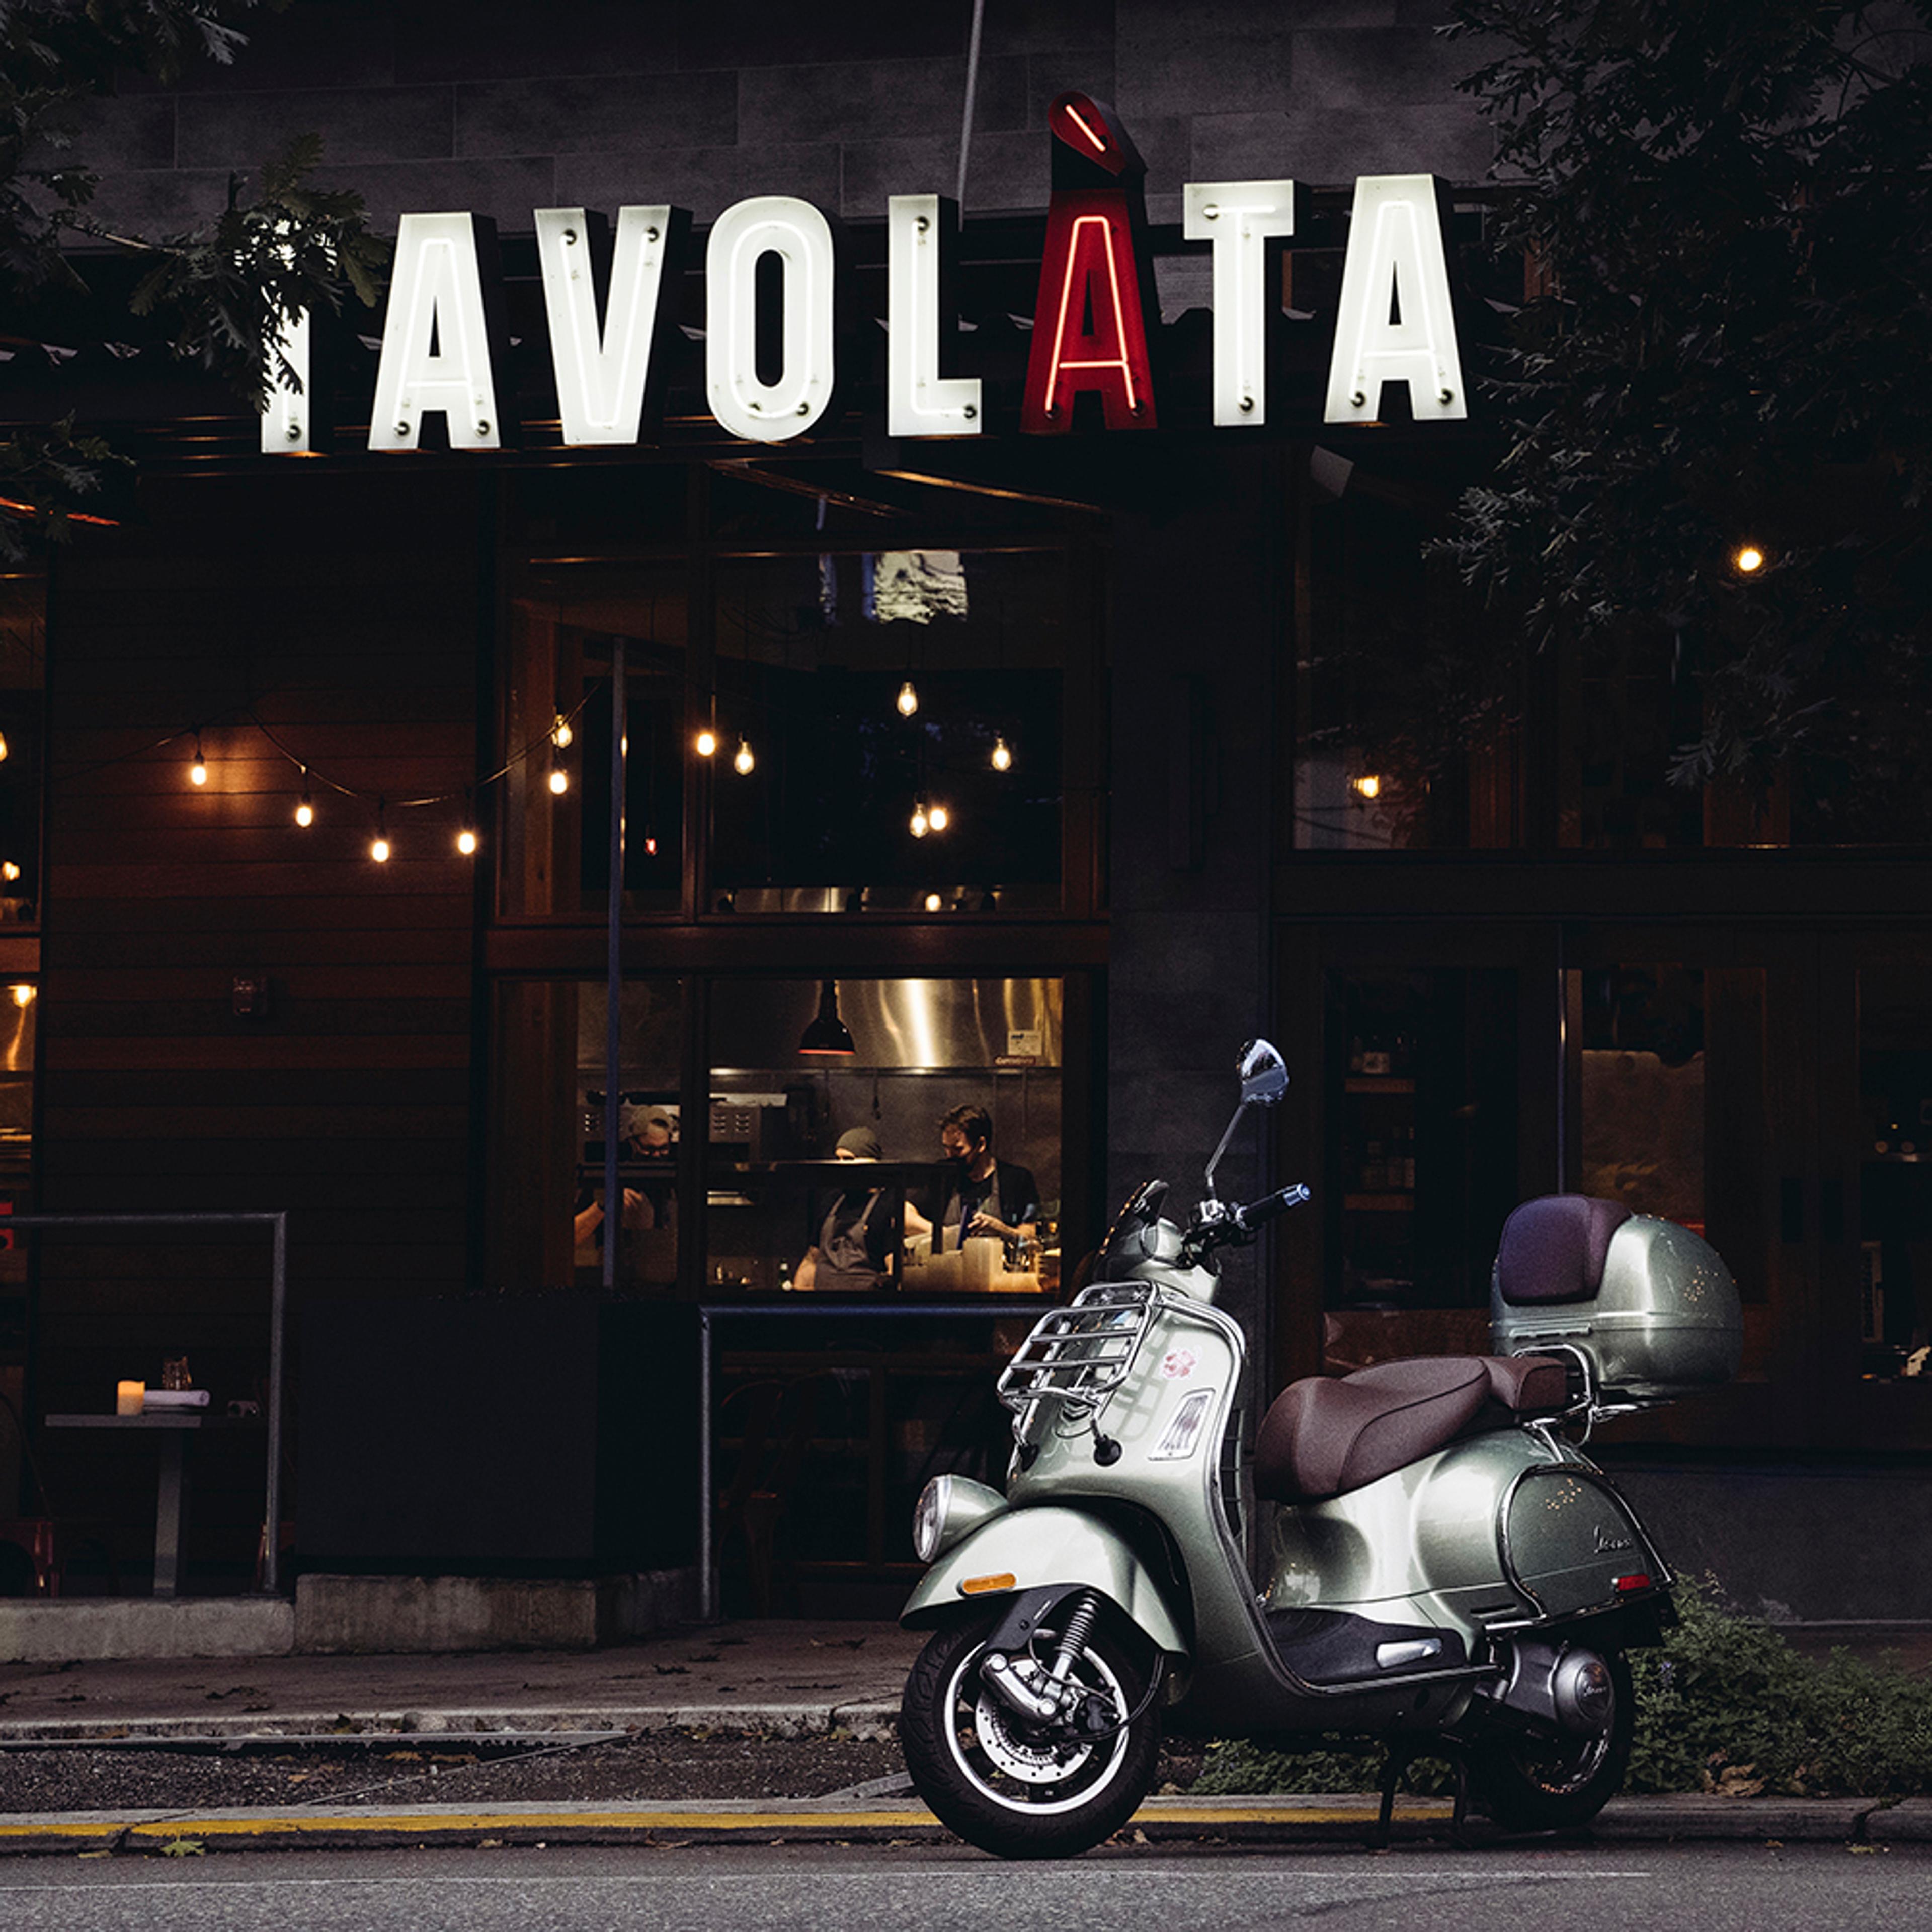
column 1021, row 1773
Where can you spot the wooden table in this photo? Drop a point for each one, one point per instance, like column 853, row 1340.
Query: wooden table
column 170, row 1429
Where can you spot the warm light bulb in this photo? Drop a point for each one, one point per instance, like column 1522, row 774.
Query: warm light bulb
column 560, row 732
column 919, row 821
column 304, row 813
column 559, row 780
column 908, row 700
column 23, row 996
column 933, row 901
column 4, row 746
column 650, row 844
column 744, row 761
column 707, row 743
column 938, row 818
column 378, row 849
column 466, row 841
column 1368, row 785
column 1748, row 558
column 9, row 871
column 1003, row 755
column 197, row 772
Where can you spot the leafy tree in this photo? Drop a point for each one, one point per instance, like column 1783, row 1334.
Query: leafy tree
column 1730, row 207
column 222, row 292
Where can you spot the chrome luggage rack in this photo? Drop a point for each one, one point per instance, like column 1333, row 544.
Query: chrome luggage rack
column 1078, row 1355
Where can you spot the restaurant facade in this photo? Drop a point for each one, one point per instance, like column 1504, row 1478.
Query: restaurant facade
column 848, row 654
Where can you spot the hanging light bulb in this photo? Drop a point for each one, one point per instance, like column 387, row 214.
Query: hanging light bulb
column 4, row 746
column 742, row 763
column 706, row 743
column 650, row 842
column 560, row 732
column 1746, row 558
column 933, row 901
column 9, row 871
column 466, row 841
column 559, row 780
column 197, row 772
column 23, row 995
column 919, row 824
column 305, row 811
column 938, row 818
column 379, row 846
column 1003, row 755
column 908, row 699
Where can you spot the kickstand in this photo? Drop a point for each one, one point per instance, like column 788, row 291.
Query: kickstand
column 1457, row 1836
column 1394, row 1769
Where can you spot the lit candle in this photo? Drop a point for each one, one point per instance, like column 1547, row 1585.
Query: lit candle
column 128, row 1397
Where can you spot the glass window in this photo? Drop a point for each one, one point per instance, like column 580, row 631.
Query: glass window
column 23, row 687
column 548, row 1226
column 566, row 629
column 889, row 730
column 1424, row 1149
column 790, row 1123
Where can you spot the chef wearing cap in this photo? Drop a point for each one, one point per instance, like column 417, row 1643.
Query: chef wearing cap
column 857, row 1238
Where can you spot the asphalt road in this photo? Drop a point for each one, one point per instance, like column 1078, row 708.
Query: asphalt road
column 1711, row 1888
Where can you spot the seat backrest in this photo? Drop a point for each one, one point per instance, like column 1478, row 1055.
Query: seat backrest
column 1553, row 1249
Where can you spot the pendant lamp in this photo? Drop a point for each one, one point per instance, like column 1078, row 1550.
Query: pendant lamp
column 828, row 1033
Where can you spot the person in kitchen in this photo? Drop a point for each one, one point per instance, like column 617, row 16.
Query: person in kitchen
column 650, row 1199
column 978, row 1193
column 857, row 1238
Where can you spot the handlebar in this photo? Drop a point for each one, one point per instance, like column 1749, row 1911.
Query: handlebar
column 1259, row 1214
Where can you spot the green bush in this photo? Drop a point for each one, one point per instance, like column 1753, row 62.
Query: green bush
column 1724, row 1704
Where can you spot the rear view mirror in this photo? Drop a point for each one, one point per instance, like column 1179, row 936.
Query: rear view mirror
column 1263, row 1074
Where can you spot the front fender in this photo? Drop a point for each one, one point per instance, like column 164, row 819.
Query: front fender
column 1038, row 1548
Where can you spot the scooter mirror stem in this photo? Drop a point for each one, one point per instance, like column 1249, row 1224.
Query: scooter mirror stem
column 1214, row 1159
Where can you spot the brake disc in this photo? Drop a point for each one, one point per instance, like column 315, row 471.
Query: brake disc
column 1020, row 1757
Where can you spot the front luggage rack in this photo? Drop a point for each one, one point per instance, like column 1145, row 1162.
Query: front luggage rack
column 1078, row 1355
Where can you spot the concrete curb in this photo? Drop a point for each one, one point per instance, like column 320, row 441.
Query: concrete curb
column 1310, row 1818
column 870, row 1719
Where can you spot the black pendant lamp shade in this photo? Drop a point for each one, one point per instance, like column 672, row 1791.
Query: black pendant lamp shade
column 828, row 1033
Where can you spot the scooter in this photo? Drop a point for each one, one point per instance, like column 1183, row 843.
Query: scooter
column 1448, row 1573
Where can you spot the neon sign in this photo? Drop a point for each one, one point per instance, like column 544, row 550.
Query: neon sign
column 442, row 344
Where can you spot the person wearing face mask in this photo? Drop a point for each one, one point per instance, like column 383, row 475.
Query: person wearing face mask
column 979, row 1194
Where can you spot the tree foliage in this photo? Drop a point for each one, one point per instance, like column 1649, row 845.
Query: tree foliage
column 1730, row 207
column 222, row 292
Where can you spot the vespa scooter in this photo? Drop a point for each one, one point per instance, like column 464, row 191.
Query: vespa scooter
column 1449, row 1572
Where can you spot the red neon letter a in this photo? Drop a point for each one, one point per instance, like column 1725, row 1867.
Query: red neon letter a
column 1088, row 332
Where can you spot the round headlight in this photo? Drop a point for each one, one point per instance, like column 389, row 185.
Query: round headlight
column 928, row 1517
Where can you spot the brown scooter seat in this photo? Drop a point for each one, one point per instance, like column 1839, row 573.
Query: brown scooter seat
column 1325, row 1436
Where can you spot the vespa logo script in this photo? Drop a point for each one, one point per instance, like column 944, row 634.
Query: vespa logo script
column 1606, row 1543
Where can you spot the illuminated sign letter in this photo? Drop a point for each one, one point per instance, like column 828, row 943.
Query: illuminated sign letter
column 601, row 372
column 286, row 427
column 918, row 400
column 1239, row 218
column 1089, row 331
column 435, row 340
column 1395, row 322
column 801, row 238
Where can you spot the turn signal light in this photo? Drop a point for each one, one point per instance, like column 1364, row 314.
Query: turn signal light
column 978, row 1586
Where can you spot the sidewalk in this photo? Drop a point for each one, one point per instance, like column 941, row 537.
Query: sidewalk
column 788, row 1680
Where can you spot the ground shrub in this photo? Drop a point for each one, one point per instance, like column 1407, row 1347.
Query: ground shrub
column 1724, row 1705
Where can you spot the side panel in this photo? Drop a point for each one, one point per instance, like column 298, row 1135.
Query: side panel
column 1036, row 1547
column 1567, row 1537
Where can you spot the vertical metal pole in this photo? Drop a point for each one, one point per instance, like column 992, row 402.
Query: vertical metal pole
column 168, row 1516
column 613, row 968
column 278, row 1296
column 707, row 1574
column 972, row 88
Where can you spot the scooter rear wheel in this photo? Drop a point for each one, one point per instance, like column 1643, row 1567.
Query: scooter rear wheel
column 1527, row 1785
column 1009, row 1789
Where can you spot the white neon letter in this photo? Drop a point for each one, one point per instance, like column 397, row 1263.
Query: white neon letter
column 1238, row 217
column 918, row 400
column 601, row 373
column 286, row 425
column 1395, row 257
column 795, row 232
column 435, row 297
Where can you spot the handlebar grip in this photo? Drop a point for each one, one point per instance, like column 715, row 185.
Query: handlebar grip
column 1258, row 1212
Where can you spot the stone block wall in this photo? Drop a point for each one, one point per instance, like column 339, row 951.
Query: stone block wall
column 502, row 108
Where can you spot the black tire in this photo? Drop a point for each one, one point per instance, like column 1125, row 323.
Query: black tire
column 1038, row 1815
column 1526, row 1785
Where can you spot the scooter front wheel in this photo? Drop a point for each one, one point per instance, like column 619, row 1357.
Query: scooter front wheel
column 1013, row 1788
column 1529, row 1785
